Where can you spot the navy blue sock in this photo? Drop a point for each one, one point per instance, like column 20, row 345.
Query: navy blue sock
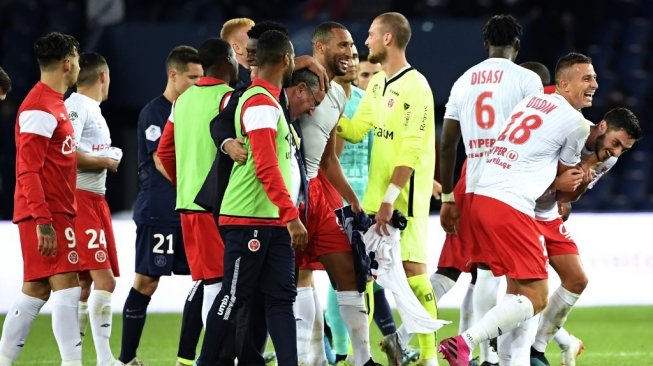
column 383, row 314
column 191, row 323
column 133, row 321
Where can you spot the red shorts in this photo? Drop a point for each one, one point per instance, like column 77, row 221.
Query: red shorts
column 94, row 233
column 330, row 193
column 457, row 250
column 557, row 237
column 203, row 245
column 37, row 266
column 508, row 241
column 325, row 236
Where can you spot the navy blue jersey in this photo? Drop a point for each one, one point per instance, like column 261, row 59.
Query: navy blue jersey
column 243, row 77
column 155, row 203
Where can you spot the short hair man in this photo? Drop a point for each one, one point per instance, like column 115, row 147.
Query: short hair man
column 402, row 162
column 328, row 246
column 159, row 246
column 543, row 138
column 181, row 143
column 93, row 229
column 475, row 111
column 44, row 204
column 616, row 133
column 259, row 233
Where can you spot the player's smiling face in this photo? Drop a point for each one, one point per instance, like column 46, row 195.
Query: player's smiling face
column 613, row 143
column 338, row 52
column 581, row 85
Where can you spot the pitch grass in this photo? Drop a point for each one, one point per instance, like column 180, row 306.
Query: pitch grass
column 612, row 335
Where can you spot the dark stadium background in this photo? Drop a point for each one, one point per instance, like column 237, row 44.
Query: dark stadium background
column 136, row 35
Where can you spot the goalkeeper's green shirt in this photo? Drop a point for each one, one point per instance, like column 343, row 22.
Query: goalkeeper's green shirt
column 400, row 113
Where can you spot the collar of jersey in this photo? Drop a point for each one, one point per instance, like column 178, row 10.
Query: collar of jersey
column 275, row 91
column 86, row 99
column 209, row 81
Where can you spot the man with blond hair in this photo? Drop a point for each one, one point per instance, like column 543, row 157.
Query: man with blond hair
column 234, row 31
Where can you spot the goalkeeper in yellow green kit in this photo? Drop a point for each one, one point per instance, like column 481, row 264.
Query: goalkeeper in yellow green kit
column 398, row 108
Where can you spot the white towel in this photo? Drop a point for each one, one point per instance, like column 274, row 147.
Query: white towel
column 390, row 274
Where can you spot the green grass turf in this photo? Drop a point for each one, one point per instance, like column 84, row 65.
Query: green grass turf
column 612, row 335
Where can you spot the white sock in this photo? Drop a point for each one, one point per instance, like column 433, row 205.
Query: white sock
column 554, row 316
column 441, row 285
column 500, row 319
column 484, row 299
column 318, row 352
column 562, row 338
column 304, row 309
column 18, row 323
column 467, row 309
column 101, row 317
column 515, row 346
column 65, row 324
column 354, row 314
column 82, row 315
column 210, row 293
column 403, row 336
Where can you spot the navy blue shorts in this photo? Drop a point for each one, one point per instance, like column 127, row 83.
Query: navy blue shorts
column 160, row 251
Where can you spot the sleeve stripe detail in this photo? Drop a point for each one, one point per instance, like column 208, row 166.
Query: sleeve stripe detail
column 259, row 117
column 37, row 122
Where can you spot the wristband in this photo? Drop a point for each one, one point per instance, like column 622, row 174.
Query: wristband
column 447, row 197
column 391, row 194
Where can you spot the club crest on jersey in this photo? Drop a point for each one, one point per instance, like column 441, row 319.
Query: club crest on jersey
column 254, row 245
column 153, row 133
column 68, row 145
column 73, row 116
column 160, row 261
column 391, row 102
column 73, row 257
column 100, row 256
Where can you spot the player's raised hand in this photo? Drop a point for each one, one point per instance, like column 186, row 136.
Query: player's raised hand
column 47, row 239
column 309, row 62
